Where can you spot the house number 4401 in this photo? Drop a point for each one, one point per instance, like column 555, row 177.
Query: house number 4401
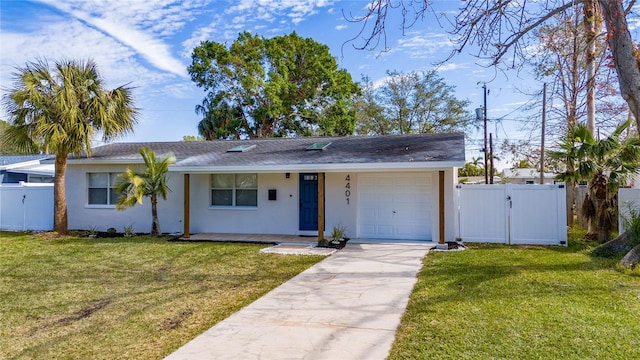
column 347, row 190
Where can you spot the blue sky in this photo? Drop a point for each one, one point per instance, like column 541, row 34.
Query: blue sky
column 148, row 44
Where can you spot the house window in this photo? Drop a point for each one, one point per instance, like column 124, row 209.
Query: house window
column 102, row 188
column 40, row 179
column 234, row 190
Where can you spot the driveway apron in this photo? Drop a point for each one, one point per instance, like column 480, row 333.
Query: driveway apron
column 348, row 306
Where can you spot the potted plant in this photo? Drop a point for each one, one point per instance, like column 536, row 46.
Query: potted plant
column 337, row 234
column 338, row 238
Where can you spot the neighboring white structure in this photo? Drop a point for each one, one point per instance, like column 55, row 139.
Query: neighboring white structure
column 628, row 199
column 526, row 176
column 26, row 168
column 387, row 187
column 634, row 182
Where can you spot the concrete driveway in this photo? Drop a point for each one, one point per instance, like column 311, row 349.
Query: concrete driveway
column 348, row 306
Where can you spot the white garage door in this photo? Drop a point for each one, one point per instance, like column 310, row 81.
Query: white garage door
column 394, row 206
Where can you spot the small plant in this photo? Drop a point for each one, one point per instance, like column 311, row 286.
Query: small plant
column 323, row 243
column 631, row 223
column 338, row 239
column 93, row 232
column 111, row 232
column 128, row 231
column 337, row 234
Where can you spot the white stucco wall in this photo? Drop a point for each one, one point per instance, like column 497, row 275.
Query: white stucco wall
column 450, row 206
column 82, row 216
column 339, row 211
column 278, row 216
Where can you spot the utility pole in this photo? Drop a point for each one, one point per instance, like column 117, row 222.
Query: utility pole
column 491, row 155
column 544, row 120
column 484, row 108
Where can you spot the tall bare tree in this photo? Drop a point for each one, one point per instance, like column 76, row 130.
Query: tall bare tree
column 503, row 29
column 416, row 102
column 593, row 24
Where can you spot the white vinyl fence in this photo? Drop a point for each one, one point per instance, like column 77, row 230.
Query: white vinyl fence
column 512, row 214
column 627, row 199
column 26, row 206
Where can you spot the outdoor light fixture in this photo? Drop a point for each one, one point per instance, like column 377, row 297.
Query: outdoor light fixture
column 287, row 175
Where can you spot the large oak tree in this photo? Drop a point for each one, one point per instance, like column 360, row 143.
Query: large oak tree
column 262, row 87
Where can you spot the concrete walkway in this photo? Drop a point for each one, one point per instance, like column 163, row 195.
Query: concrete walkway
column 348, row 306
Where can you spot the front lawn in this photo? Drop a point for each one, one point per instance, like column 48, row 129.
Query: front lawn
column 502, row 302
column 124, row 298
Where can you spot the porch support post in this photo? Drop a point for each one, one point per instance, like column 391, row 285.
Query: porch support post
column 187, row 206
column 441, row 212
column 320, row 206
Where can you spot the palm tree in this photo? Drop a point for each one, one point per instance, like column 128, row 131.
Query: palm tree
column 60, row 110
column 152, row 182
column 568, row 154
column 606, row 164
column 477, row 162
column 219, row 120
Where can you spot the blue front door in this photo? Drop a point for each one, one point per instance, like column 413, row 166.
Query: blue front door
column 308, row 202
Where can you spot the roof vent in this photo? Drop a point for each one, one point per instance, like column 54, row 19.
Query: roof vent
column 242, row 148
column 318, row 146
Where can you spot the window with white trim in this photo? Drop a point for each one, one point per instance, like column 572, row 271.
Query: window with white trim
column 240, row 190
column 102, row 188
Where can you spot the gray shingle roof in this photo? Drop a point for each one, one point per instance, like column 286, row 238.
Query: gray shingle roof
column 293, row 151
column 6, row 160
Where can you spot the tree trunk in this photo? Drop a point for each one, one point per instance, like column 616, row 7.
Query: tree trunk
column 604, row 234
column 571, row 195
column 155, row 224
column 59, row 195
column 589, row 210
column 591, row 23
column 623, row 50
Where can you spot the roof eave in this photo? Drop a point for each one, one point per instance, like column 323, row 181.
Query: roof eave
column 20, row 164
column 361, row 167
column 93, row 161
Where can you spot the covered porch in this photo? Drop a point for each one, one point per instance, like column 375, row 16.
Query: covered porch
column 282, row 238
column 290, row 239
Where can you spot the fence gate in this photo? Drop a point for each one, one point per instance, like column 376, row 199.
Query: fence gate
column 26, row 206
column 512, row 214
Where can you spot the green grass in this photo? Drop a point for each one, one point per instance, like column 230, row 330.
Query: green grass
column 508, row 302
column 124, row 298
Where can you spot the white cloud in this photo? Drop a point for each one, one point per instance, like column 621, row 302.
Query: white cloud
column 451, row 67
column 119, row 23
column 340, row 27
column 72, row 40
column 269, row 16
column 425, row 45
column 380, row 82
column 201, row 34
